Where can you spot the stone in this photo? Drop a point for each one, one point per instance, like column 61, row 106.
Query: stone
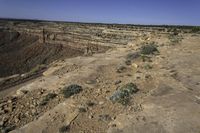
column 105, row 118
column 101, row 103
column 91, row 81
column 21, row 92
column 1, row 123
column 134, row 65
column 33, row 111
column 90, row 116
column 17, row 120
column 90, row 104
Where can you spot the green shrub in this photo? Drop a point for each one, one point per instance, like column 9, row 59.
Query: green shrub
column 147, row 66
column 73, row 89
column 37, row 69
column 123, row 94
column 148, row 49
column 47, row 98
column 64, row 129
column 195, row 29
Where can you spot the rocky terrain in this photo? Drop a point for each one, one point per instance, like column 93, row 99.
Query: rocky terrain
column 94, row 78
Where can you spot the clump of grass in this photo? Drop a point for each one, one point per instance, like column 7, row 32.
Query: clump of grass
column 64, row 129
column 123, row 94
column 37, row 69
column 195, row 29
column 175, row 39
column 73, row 89
column 47, row 98
column 121, row 69
column 132, row 56
column 147, row 66
column 148, row 49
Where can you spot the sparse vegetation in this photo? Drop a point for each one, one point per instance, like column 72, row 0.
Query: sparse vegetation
column 121, row 69
column 149, row 49
column 64, row 129
column 146, row 58
column 132, row 56
column 37, row 69
column 147, row 66
column 73, row 89
column 175, row 39
column 47, row 98
column 123, row 94
column 82, row 110
column 195, row 29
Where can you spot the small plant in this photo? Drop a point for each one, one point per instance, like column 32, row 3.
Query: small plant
column 82, row 110
column 121, row 69
column 148, row 49
column 146, row 58
column 195, row 29
column 132, row 56
column 64, row 129
column 175, row 39
column 71, row 90
column 123, row 94
column 37, row 69
column 47, row 98
column 147, row 66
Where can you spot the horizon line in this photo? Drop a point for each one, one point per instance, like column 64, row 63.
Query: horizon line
column 87, row 22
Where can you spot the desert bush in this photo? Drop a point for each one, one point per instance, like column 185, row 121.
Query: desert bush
column 195, row 29
column 37, row 69
column 123, row 94
column 149, row 49
column 175, row 39
column 132, row 56
column 64, row 129
column 73, row 89
column 147, row 66
column 120, row 69
column 47, row 98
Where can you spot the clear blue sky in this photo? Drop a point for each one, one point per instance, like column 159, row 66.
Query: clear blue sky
column 183, row 12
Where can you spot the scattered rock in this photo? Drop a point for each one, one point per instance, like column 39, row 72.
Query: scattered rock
column 91, row 82
column 134, row 65
column 1, row 123
column 148, row 76
column 101, row 103
column 105, row 118
column 128, row 62
column 90, row 116
column 7, row 129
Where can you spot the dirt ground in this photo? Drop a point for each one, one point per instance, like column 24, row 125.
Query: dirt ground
column 168, row 100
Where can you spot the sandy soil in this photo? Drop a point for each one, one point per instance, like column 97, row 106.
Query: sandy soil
column 167, row 101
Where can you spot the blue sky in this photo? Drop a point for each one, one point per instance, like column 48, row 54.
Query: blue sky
column 182, row 12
